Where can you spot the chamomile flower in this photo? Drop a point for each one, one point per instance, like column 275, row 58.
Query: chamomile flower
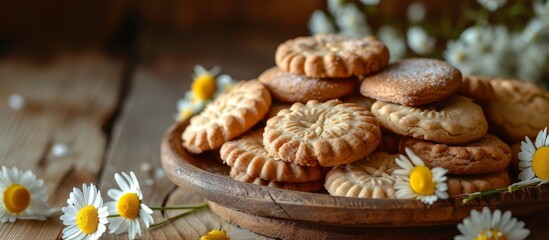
column 394, row 41
column 235, row 234
column 419, row 41
column 23, row 196
column 320, row 23
column 534, row 159
column 419, row 181
column 352, row 22
column 128, row 205
column 205, row 87
column 85, row 216
column 491, row 226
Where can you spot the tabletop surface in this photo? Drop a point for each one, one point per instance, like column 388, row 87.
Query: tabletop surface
column 112, row 111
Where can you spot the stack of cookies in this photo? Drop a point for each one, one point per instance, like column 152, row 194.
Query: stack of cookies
column 305, row 139
column 417, row 100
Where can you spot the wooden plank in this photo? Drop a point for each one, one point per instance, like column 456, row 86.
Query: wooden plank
column 69, row 98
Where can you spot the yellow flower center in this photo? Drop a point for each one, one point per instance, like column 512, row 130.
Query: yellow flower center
column 87, row 219
column 128, row 205
column 421, row 180
column 204, row 86
column 216, row 235
column 491, row 235
column 540, row 163
column 16, row 198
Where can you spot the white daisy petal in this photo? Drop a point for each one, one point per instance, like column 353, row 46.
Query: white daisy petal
column 121, row 182
column 114, row 193
column 526, row 175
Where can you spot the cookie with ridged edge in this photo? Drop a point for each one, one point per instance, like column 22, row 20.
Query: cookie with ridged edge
column 302, row 186
column 228, row 116
column 331, row 56
column 247, row 154
column 519, row 109
column 413, row 82
column 478, row 88
column 368, row 178
column 487, row 155
column 457, row 120
column 291, row 88
column 325, row 134
column 467, row 184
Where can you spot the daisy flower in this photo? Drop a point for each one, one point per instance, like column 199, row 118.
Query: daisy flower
column 128, row 205
column 236, row 234
column 320, row 23
column 23, row 196
column 205, row 87
column 419, row 181
column 534, row 159
column 394, row 41
column 491, row 226
column 419, row 41
column 85, row 217
column 352, row 22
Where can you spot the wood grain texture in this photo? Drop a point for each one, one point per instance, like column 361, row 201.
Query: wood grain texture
column 69, row 98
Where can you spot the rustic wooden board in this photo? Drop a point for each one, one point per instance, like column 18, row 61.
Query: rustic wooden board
column 70, row 97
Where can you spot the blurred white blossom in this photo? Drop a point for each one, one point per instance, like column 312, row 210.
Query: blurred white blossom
column 419, row 41
column 352, row 22
column 542, row 9
column 416, row 12
column 336, row 7
column 16, row 102
column 394, row 41
column 536, row 30
column 492, row 5
column 319, row 23
column 369, row 2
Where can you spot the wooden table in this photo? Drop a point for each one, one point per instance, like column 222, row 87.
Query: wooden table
column 112, row 110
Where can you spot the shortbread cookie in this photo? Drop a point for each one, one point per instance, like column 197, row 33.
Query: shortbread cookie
column 467, row 184
column 331, row 56
column 291, row 88
column 367, row 178
column 247, row 154
column 519, row 109
column 325, row 134
column 303, row 187
column 478, row 88
column 413, row 82
column 455, row 121
column 487, row 155
column 227, row 117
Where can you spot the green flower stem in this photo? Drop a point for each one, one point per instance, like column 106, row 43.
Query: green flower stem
column 113, row 216
column 513, row 188
column 180, row 207
column 483, row 194
column 178, row 216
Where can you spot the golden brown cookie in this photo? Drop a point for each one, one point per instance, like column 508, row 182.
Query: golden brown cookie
column 478, row 88
column 467, row 184
column 291, row 88
column 227, row 117
column 325, row 134
column 487, row 155
column 413, row 82
column 368, row 178
column 331, row 56
column 247, row 154
column 455, row 121
column 519, row 109
column 303, row 186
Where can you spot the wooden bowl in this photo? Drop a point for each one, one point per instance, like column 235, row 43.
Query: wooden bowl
column 206, row 175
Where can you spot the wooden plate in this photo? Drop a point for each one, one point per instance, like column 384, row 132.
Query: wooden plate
column 208, row 177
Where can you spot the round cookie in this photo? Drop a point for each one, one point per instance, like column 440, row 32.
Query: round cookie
column 467, row 184
column 413, row 82
column 228, row 116
column 291, row 88
column 331, row 56
column 302, row 187
column 248, row 155
column 368, row 178
column 478, row 88
column 325, row 134
column 519, row 109
column 455, row 121
column 487, row 155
